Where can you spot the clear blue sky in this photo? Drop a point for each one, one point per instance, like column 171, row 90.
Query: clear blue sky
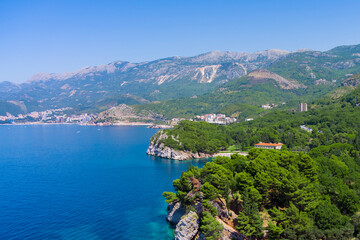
column 58, row 36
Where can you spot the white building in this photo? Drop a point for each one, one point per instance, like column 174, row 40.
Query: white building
column 303, row 107
column 269, row 145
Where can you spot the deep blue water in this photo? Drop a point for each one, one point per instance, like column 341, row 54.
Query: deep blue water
column 83, row 182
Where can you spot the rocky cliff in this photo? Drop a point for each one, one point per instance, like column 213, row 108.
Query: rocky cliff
column 166, row 152
column 185, row 218
column 175, row 212
column 158, row 148
column 187, row 225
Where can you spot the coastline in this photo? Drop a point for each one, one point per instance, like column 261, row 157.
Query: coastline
column 130, row 124
column 228, row 154
column 158, row 148
column 97, row 125
column 36, row 123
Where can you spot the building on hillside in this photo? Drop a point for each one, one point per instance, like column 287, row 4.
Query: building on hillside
column 266, row 106
column 304, row 127
column 220, row 119
column 303, row 107
column 269, row 145
column 175, row 121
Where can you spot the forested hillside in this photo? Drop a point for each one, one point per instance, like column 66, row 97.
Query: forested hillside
column 312, row 192
column 243, row 97
column 331, row 121
column 290, row 195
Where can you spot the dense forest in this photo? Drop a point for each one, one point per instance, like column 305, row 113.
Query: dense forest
column 290, row 195
column 240, row 98
column 331, row 121
column 310, row 192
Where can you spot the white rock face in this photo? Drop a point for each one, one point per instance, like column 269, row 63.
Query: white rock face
column 166, row 152
column 175, row 212
column 188, row 227
column 216, row 56
column 266, row 74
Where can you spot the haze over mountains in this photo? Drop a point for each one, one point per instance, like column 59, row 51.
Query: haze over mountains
column 97, row 88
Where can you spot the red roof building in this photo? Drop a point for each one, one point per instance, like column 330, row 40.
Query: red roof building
column 269, row 145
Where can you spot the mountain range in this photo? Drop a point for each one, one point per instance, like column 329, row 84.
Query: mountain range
column 303, row 74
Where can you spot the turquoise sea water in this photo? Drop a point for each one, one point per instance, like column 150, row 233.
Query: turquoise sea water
column 83, row 182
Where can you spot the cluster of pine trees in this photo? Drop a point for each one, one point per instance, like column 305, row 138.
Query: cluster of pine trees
column 331, row 121
column 301, row 196
column 311, row 192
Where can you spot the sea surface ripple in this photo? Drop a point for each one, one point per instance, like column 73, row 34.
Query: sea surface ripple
column 83, row 182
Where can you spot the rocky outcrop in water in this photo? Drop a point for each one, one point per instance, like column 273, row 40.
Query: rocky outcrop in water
column 166, row 152
column 175, row 212
column 188, row 227
column 158, row 148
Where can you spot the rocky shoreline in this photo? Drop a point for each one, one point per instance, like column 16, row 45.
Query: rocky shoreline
column 166, row 152
column 160, row 126
column 158, row 149
column 187, row 222
column 185, row 218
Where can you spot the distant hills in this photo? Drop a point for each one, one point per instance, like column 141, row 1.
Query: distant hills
column 226, row 77
column 297, row 76
column 130, row 83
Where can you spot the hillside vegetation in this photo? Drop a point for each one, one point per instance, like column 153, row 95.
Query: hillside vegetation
column 312, row 192
column 332, row 121
column 291, row 195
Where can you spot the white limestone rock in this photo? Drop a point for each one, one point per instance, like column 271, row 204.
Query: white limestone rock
column 175, row 212
column 188, row 227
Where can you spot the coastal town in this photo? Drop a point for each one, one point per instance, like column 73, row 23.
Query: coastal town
column 50, row 116
column 67, row 115
column 64, row 116
column 220, row 119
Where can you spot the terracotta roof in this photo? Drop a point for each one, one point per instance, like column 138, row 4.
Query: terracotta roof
column 269, row 144
column 195, row 183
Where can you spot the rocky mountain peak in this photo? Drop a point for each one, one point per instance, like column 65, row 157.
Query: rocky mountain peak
column 104, row 68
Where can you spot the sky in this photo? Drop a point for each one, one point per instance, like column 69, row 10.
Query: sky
column 63, row 36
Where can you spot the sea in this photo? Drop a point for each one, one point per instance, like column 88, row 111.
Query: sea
column 83, row 183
